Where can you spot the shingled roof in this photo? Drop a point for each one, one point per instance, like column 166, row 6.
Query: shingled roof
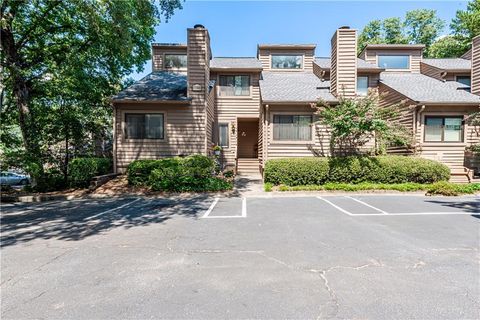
column 449, row 63
column 305, row 87
column 157, row 86
column 325, row 63
column 423, row 89
column 235, row 63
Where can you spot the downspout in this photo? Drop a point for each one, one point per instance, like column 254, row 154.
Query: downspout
column 265, row 135
column 417, row 122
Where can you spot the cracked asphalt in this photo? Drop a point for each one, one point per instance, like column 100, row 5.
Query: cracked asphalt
column 290, row 257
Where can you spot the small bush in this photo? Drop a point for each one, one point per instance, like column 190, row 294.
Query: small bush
column 228, row 174
column 82, row 170
column 192, row 173
column 382, row 169
column 268, row 187
column 451, row 189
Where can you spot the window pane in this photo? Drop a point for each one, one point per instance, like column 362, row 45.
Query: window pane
column 453, row 129
column 433, row 129
column 362, row 85
column 154, row 126
column 175, row 61
column 287, row 61
column 464, row 80
column 292, row 127
column 135, row 124
column 223, row 134
column 394, row 62
column 234, row 86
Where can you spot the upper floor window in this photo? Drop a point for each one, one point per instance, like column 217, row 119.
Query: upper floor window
column 394, row 61
column 234, row 86
column 466, row 80
column 362, row 85
column 443, row 129
column 144, row 126
column 175, row 61
column 292, row 127
column 287, row 61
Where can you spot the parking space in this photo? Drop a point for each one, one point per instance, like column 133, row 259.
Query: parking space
column 332, row 256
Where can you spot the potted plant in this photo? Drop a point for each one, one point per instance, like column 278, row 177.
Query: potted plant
column 217, row 150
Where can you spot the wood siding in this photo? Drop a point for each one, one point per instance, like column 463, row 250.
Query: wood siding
column 476, row 65
column 370, row 55
column 182, row 125
column 264, row 55
column 343, row 73
column 229, row 109
column 440, row 74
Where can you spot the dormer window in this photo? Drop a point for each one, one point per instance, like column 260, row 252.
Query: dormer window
column 400, row 62
column 291, row 61
column 175, row 61
column 466, row 80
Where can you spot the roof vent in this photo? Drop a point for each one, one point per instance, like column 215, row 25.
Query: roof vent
column 199, row 26
column 344, row 27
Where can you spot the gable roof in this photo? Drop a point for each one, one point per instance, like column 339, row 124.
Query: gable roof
column 423, row 89
column 235, row 63
column 449, row 63
column 156, row 86
column 325, row 63
column 303, row 87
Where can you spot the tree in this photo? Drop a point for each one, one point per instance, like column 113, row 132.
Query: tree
column 423, row 27
column 466, row 24
column 446, row 47
column 419, row 27
column 69, row 53
column 353, row 122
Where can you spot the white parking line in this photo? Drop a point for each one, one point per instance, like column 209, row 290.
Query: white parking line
column 214, row 203
column 337, row 207
column 209, row 210
column 366, row 204
column 113, row 209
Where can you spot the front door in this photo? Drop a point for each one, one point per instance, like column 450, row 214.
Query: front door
column 247, row 138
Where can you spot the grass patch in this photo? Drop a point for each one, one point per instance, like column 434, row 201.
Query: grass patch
column 268, row 187
column 438, row 188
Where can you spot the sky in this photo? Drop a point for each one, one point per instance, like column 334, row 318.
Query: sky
column 236, row 27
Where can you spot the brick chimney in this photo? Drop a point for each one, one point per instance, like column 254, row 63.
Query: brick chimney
column 343, row 74
column 475, row 87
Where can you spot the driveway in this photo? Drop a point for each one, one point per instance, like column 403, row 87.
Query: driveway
column 339, row 257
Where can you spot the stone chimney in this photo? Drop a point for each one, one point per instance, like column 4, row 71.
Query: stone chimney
column 475, row 80
column 343, row 70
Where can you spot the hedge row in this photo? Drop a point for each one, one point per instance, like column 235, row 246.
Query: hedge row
column 355, row 169
column 192, row 173
column 82, row 170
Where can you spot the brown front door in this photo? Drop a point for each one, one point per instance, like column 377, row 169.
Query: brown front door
column 247, row 146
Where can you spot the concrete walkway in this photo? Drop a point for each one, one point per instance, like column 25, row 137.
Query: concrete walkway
column 248, row 185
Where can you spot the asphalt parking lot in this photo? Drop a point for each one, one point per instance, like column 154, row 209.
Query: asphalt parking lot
column 339, row 257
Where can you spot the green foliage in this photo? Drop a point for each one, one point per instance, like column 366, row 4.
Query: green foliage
column 354, row 170
column 192, row 173
column 437, row 188
column 268, row 186
column 420, row 26
column 446, row 47
column 466, row 24
column 228, row 174
column 61, row 62
column 355, row 121
column 82, row 170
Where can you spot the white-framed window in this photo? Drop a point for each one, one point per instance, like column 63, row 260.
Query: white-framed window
column 223, row 135
column 362, row 85
column 443, row 129
column 234, row 85
column 144, row 126
column 287, row 61
column 400, row 62
column 292, row 127
column 175, row 61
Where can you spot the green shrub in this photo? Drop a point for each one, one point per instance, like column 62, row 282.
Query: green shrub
column 192, row 173
column 268, row 187
column 452, row 189
column 381, row 169
column 82, row 170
